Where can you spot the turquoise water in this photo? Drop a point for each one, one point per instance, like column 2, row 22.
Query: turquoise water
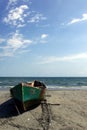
column 50, row 82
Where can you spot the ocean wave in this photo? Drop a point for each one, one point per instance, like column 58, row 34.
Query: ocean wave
column 5, row 87
column 66, row 87
column 51, row 82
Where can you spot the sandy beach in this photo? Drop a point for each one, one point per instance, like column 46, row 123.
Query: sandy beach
column 65, row 110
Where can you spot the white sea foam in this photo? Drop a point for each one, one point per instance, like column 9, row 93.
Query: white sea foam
column 66, row 87
column 5, row 87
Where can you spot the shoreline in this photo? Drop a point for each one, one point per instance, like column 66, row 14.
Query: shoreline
column 67, row 108
column 56, row 89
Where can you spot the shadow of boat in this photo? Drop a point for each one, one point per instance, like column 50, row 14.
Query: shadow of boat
column 9, row 109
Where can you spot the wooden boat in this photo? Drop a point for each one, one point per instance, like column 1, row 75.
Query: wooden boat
column 28, row 94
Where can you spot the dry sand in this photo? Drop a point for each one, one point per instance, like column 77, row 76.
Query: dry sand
column 67, row 110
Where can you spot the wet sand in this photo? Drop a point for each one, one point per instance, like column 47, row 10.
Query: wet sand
column 65, row 110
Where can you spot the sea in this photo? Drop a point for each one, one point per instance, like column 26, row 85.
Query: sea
column 52, row 83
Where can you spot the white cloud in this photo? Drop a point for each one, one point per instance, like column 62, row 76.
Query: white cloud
column 15, row 2
column 2, row 40
column 22, row 15
column 76, row 20
column 6, row 54
column 23, row 51
column 36, row 18
column 65, row 58
column 15, row 44
column 11, row 3
column 43, row 36
column 17, row 41
column 21, row 25
column 42, row 39
column 16, row 16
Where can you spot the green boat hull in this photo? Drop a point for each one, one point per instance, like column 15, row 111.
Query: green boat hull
column 26, row 96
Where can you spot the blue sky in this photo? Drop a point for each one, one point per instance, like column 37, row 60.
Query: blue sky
column 43, row 38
